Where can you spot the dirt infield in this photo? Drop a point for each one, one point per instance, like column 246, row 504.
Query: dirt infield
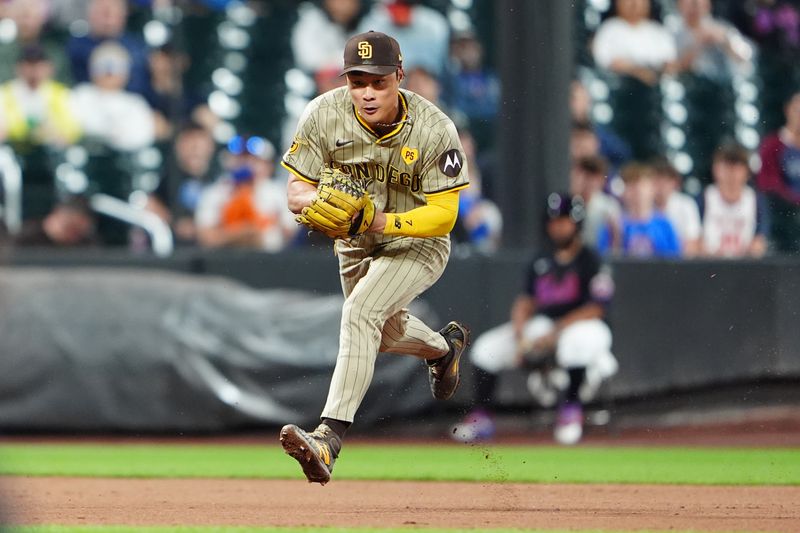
column 346, row 504
column 140, row 502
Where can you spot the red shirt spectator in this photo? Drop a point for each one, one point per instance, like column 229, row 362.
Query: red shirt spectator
column 780, row 157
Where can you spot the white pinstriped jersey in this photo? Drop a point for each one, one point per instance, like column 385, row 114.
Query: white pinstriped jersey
column 421, row 155
column 381, row 274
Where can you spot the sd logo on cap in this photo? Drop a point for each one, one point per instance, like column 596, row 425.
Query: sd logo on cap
column 372, row 52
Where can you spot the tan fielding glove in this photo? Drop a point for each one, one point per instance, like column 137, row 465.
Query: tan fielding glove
column 342, row 207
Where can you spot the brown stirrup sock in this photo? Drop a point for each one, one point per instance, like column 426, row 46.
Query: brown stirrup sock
column 338, row 426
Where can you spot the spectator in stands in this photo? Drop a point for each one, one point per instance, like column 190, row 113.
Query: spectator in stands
column 107, row 112
column 472, row 88
column 644, row 232
column 583, row 141
column 632, row 44
column 611, row 146
column 423, row 32
column 246, row 207
column 179, row 190
column 321, row 32
column 480, row 222
column 773, row 24
column 424, row 83
column 173, row 102
column 63, row 13
column 734, row 223
column 328, row 79
column 30, row 21
column 34, row 109
column 774, row 27
column 71, row 223
column 779, row 178
column 678, row 207
column 559, row 317
column 588, row 180
column 708, row 47
column 711, row 55
column 107, row 22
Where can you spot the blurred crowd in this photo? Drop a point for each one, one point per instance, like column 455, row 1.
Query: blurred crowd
column 97, row 102
column 670, row 150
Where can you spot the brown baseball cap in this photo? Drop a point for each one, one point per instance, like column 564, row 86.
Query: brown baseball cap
column 372, row 52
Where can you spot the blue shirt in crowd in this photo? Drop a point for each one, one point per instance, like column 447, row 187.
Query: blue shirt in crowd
column 644, row 238
column 80, row 48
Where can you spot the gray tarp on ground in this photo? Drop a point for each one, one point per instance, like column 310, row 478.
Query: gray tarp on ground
column 95, row 349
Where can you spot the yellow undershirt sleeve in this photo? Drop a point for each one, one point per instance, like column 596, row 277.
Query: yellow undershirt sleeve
column 433, row 220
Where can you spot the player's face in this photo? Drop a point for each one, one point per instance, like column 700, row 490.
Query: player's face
column 562, row 231
column 374, row 96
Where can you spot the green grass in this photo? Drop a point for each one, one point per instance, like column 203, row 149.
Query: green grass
column 721, row 466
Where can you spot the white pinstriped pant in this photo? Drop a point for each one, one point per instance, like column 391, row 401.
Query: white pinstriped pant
column 585, row 343
column 378, row 285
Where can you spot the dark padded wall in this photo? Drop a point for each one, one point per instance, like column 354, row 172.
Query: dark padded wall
column 678, row 326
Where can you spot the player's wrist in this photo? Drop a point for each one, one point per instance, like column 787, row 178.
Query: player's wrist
column 378, row 223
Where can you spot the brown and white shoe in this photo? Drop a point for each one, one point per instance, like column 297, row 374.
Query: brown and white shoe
column 316, row 451
column 443, row 373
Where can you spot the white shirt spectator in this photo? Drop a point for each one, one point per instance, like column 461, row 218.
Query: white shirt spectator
column 717, row 62
column 729, row 228
column 602, row 210
column 424, row 41
column 270, row 201
column 646, row 44
column 317, row 42
column 684, row 214
column 121, row 119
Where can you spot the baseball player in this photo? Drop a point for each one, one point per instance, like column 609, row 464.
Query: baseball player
column 560, row 312
column 379, row 169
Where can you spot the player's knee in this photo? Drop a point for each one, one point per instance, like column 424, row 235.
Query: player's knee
column 357, row 312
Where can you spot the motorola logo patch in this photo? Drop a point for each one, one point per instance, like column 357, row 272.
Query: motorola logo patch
column 451, row 162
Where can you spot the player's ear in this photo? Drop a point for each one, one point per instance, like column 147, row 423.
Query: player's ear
column 400, row 74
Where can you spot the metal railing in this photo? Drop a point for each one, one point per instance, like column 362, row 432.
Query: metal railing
column 159, row 231
column 11, row 179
